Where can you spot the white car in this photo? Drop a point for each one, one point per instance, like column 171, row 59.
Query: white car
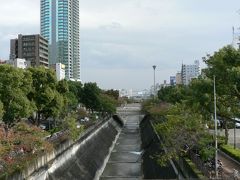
column 237, row 125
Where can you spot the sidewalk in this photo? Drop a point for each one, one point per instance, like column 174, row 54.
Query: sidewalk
column 228, row 165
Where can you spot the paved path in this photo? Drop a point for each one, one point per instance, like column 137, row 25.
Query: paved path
column 125, row 160
column 228, row 165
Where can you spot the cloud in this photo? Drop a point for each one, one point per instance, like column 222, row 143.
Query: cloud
column 121, row 40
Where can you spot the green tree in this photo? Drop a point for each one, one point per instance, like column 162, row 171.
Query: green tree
column 76, row 88
column 70, row 124
column 225, row 66
column 1, row 110
column 113, row 93
column 75, row 94
column 108, row 104
column 200, row 97
column 15, row 84
column 182, row 127
column 172, row 94
column 90, row 96
column 49, row 102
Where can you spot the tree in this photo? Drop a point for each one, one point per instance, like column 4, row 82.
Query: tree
column 172, row 94
column 200, row 97
column 108, row 104
column 225, row 66
column 1, row 110
column 74, row 95
column 113, row 93
column 76, row 89
column 15, row 85
column 90, row 96
column 182, row 128
column 70, row 124
column 48, row 101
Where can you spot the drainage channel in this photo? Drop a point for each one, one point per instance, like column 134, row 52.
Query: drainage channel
column 126, row 157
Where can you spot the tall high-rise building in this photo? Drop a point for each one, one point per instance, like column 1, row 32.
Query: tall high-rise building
column 33, row 48
column 60, row 26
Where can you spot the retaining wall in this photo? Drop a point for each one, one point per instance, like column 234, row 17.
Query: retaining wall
column 75, row 160
column 151, row 145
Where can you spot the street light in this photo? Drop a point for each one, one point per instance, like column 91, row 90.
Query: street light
column 154, row 86
column 215, row 119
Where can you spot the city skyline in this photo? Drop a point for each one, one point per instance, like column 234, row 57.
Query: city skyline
column 120, row 41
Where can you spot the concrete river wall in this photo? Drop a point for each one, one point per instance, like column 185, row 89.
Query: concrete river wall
column 120, row 148
column 76, row 160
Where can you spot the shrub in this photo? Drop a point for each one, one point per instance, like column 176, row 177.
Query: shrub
column 234, row 153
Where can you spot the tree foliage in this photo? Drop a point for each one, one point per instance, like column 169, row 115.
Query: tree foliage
column 183, row 128
column 108, row 104
column 90, row 96
column 48, row 101
column 15, row 84
column 70, row 124
column 74, row 95
column 198, row 96
column 172, row 94
column 1, row 110
column 225, row 66
column 36, row 94
column 112, row 93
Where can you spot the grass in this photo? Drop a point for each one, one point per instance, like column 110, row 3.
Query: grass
column 234, row 153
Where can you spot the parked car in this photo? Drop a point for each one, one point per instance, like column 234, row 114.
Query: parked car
column 237, row 125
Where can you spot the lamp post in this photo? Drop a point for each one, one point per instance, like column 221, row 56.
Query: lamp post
column 235, row 133
column 154, row 86
column 215, row 120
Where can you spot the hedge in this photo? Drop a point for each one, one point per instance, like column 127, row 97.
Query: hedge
column 196, row 171
column 234, row 153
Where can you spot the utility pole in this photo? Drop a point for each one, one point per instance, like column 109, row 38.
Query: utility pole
column 234, row 133
column 215, row 119
column 154, row 85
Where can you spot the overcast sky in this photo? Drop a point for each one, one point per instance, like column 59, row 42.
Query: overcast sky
column 122, row 39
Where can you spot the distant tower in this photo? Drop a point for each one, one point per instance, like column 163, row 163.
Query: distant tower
column 60, row 26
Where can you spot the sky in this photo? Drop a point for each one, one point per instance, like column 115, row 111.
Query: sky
column 120, row 40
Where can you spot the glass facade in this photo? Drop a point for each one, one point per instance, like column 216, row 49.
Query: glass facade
column 60, row 25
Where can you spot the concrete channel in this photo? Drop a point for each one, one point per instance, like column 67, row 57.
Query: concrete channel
column 126, row 158
column 118, row 149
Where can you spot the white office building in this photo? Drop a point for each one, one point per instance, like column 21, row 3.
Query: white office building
column 60, row 71
column 190, row 72
column 19, row 63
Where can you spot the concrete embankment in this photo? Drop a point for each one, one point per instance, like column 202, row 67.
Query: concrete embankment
column 120, row 148
column 151, row 145
column 76, row 160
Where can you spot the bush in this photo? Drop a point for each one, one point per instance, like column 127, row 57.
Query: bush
column 234, row 153
column 70, row 123
column 23, row 144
